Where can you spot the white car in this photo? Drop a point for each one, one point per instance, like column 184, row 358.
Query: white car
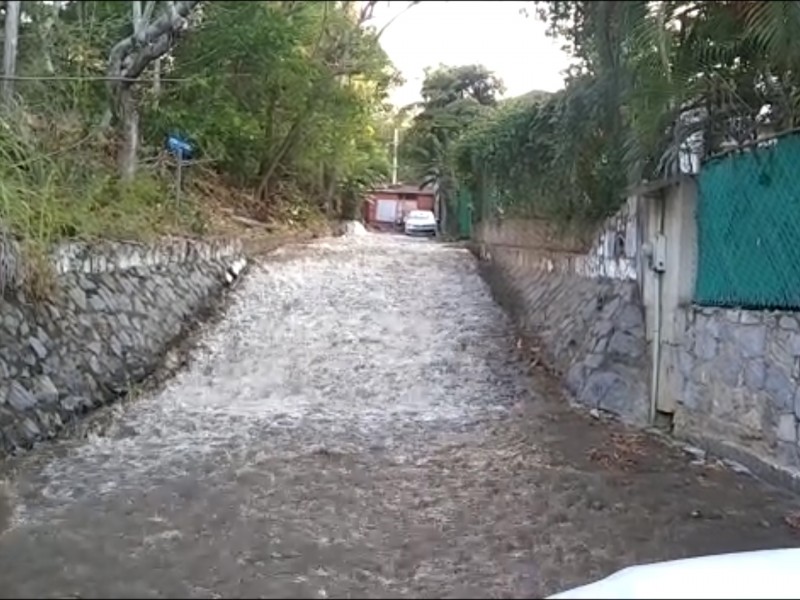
column 760, row 574
column 420, row 222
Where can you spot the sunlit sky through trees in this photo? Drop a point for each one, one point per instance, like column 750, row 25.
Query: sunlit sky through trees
column 456, row 33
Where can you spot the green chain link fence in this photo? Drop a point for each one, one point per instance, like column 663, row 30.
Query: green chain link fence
column 475, row 204
column 748, row 220
column 464, row 212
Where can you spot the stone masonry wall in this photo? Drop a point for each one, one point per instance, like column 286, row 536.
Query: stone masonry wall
column 738, row 385
column 115, row 311
column 585, row 312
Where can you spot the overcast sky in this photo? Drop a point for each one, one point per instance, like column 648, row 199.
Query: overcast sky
column 492, row 33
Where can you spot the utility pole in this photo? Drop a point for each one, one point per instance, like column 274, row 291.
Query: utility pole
column 394, row 157
column 10, row 49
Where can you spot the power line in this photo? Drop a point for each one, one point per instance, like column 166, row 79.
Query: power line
column 89, row 78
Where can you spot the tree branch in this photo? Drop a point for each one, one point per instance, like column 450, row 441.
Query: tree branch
column 128, row 58
column 394, row 18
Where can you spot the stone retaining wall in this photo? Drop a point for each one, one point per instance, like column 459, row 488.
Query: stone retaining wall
column 729, row 378
column 116, row 310
column 584, row 311
column 737, row 384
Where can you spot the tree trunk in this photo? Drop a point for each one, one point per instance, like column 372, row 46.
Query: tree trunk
column 47, row 37
column 285, row 146
column 129, row 58
column 441, row 199
column 10, row 49
column 157, row 79
column 331, row 205
column 129, row 120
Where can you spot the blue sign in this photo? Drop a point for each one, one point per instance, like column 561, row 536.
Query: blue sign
column 180, row 147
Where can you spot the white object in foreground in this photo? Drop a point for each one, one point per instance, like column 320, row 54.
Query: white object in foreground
column 761, row 574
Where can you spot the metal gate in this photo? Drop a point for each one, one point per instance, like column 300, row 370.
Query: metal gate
column 464, row 214
column 386, row 211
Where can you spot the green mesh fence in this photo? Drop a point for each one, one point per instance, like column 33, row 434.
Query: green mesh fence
column 464, row 209
column 748, row 220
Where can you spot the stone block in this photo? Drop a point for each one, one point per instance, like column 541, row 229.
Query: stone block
column 30, row 429
column 752, row 340
column 86, row 283
column 787, row 454
column 689, row 396
column 594, row 361
column 790, row 323
column 138, row 305
column 755, row 373
column 38, row 348
column 97, row 303
column 794, row 343
column 685, row 362
column 624, row 396
column 116, row 346
column 780, row 388
column 44, row 390
column 751, row 317
column 625, row 345
column 611, row 307
column 71, row 404
column 797, row 403
column 600, row 345
column 629, row 318
column 597, row 386
column 730, row 367
column 706, row 346
column 602, row 328
column 19, row 397
column 787, row 428
column 575, row 378
column 11, row 323
column 732, row 316
column 96, row 366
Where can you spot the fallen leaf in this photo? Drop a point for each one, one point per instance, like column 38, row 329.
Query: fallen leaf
column 792, row 519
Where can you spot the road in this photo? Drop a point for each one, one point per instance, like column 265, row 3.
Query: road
column 361, row 424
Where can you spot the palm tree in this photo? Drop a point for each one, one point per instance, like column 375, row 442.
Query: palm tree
column 709, row 75
column 438, row 173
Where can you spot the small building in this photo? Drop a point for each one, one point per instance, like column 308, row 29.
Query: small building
column 385, row 205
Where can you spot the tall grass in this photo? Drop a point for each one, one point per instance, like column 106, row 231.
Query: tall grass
column 59, row 183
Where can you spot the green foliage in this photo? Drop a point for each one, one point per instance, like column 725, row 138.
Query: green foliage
column 447, row 86
column 548, row 158
column 47, row 195
column 282, row 92
column 650, row 81
column 70, row 42
column 676, row 69
column 285, row 100
column 454, row 98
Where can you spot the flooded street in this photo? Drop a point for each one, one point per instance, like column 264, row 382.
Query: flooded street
column 361, row 424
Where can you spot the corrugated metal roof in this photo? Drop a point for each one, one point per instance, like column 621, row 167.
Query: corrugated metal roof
column 403, row 188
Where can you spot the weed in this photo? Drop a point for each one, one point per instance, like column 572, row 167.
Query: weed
column 38, row 279
column 59, row 184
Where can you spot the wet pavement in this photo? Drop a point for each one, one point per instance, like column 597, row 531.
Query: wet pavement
column 362, row 424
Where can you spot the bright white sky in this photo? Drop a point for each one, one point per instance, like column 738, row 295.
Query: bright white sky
column 453, row 33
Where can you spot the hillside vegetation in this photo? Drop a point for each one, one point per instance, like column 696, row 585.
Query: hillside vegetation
column 284, row 103
column 650, row 84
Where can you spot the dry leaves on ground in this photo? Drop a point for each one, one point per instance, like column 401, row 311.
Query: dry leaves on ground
column 622, row 451
column 792, row 519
